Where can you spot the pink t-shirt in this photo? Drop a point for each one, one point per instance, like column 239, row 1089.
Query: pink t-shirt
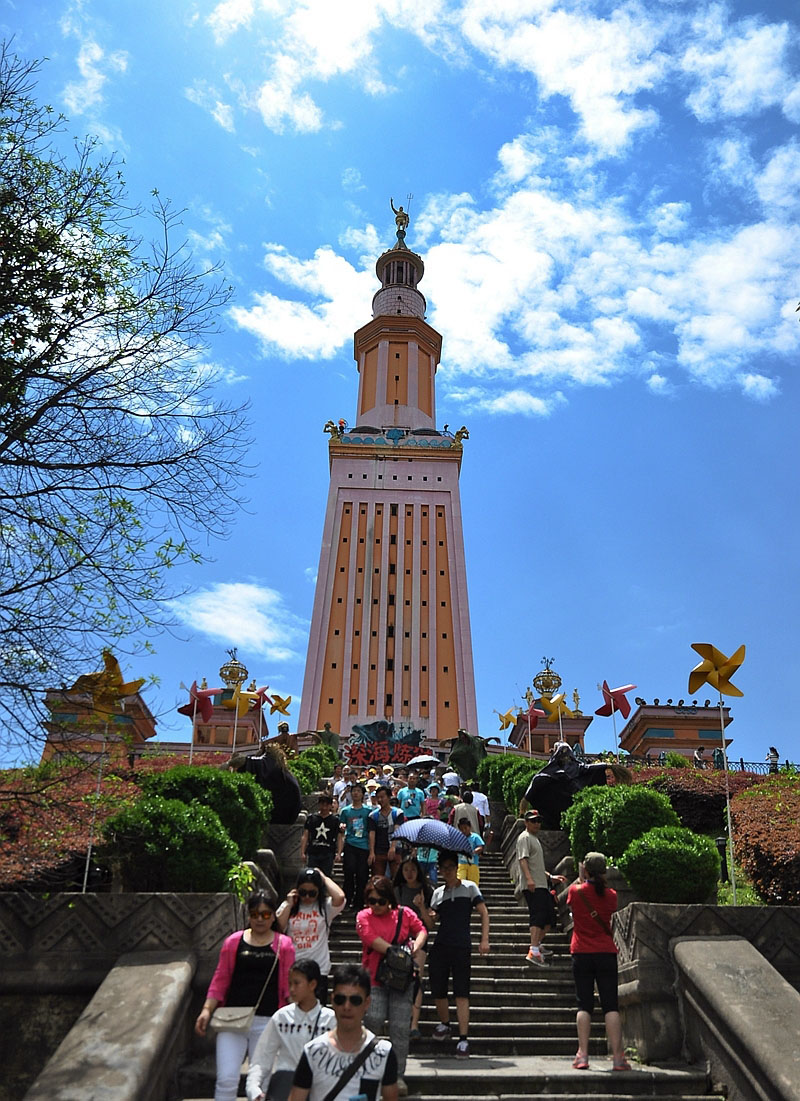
column 370, row 925
column 432, row 806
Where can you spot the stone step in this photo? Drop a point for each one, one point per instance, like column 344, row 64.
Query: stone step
column 529, row 1075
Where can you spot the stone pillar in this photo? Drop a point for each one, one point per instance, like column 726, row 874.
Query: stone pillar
column 285, row 844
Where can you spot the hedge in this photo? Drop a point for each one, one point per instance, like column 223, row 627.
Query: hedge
column 492, row 772
column 168, row 845
column 698, row 795
column 516, row 779
column 766, row 833
column 243, row 805
column 671, row 864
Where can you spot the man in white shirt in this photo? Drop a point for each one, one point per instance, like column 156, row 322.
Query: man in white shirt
column 341, row 789
column 325, row 1060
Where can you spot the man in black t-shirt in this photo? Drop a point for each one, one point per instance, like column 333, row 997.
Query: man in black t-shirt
column 320, row 836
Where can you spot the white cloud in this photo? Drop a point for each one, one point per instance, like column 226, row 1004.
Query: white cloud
column 658, row 384
column 476, row 399
column 738, row 70
column 669, row 219
column 94, row 65
column 299, row 330
column 245, row 614
column 778, row 185
column 599, row 64
column 207, row 97
column 310, row 573
column 759, row 387
column 229, row 16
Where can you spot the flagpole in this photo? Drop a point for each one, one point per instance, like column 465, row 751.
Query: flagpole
column 194, row 730
column 94, row 809
column 727, row 798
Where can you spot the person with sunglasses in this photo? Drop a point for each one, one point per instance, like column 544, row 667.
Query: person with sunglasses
column 326, row 1060
column 380, row 924
column 306, row 916
column 246, row 960
column 278, row 1051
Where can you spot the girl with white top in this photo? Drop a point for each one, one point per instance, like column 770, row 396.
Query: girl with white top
column 306, row 917
column 278, row 1051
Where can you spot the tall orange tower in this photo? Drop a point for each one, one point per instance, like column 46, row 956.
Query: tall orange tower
column 390, row 637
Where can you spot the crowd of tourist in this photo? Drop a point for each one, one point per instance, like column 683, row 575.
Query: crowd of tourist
column 313, row 1027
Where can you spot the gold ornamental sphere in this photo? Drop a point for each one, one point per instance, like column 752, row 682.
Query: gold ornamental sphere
column 233, row 672
column 548, row 682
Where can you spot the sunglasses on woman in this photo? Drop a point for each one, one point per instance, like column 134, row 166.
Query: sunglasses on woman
column 261, row 914
column 373, row 900
column 308, row 892
column 353, row 999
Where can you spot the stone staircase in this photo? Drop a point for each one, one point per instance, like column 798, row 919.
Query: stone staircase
column 522, row 1026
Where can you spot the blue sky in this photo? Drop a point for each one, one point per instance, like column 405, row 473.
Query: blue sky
column 606, row 199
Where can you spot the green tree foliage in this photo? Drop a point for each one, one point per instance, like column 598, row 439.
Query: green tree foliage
column 168, row 845
column 671, row 864
column 675, row 760
column 243, row 806
column 115, row 454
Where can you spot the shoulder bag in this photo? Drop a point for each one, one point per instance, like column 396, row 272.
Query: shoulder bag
column 593, row 913
column 239, row 1018
column 396, row 969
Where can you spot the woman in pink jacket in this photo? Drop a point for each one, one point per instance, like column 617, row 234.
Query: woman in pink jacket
column 380, row 924
column 246, row 961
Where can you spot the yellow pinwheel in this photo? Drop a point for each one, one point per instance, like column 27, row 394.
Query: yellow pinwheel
column 280, row 704
column 240, row 701
column 556, row 708
column 107, row 687
column 715, row 669
column 507, row 718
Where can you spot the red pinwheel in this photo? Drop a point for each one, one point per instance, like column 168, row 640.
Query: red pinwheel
column 533, row 714
column 614, row 700
column 201, row 700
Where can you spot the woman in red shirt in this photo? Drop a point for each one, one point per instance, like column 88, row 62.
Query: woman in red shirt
column 377, row 926
column 594, row 958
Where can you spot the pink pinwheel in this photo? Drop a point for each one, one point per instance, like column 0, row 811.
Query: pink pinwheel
column 201, row 700
column 615, row 700
column 533, row 714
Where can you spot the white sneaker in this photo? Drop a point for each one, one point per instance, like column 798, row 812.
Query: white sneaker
column 537, row 958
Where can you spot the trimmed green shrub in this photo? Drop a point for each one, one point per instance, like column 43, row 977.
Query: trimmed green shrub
column 323, row 754
column 577, row 820
column 627, row 813
column 307, row 773
column 671, row 864
column 244, row 807
column 609, row 818
column 672, row 759
column 169, row 845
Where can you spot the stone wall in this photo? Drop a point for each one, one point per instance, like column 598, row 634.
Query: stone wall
column 55, row 952
column 645, row 933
